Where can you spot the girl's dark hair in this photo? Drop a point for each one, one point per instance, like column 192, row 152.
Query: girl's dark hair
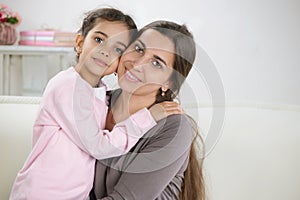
column 185, row 52
column 109, row 14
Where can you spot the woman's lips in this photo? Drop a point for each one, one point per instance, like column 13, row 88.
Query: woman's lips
column 131, row 77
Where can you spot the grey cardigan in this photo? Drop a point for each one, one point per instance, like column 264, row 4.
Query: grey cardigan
column 153, row 169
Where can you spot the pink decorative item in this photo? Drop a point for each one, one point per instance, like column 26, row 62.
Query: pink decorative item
column 47, row 38
column 8, row 34
column 8, row 21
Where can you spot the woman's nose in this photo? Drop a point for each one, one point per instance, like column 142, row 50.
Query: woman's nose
column 139, row 64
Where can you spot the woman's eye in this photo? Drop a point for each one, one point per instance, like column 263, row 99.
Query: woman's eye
column 156, row 64
column 138, row 49
column 98, row 40
column 119, row 50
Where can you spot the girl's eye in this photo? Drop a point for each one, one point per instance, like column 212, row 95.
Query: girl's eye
column 119, row 50
column 99, row 40
column 139, row 49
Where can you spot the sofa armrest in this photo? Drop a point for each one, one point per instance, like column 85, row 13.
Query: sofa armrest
column 17, row 115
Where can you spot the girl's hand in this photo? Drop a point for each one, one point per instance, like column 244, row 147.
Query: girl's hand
column 164, row 109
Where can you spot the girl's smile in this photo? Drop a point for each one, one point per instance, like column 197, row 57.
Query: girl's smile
column 100, row 62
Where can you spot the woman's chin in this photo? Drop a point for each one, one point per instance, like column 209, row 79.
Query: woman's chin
column 127, row 86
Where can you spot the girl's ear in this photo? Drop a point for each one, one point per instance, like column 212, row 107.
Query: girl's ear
column 79, row 43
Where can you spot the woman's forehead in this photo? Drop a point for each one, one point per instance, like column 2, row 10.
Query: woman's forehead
column 155, row 40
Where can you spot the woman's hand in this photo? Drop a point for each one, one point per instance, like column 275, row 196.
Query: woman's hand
column 164, row 109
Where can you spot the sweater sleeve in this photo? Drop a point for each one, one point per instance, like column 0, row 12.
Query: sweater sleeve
column 73, row 106
column 156, row 171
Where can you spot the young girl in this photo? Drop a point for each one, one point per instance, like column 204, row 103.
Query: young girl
column 67, row 136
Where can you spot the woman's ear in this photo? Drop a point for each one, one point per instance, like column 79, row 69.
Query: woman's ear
column 79, row 43
column 167, row 85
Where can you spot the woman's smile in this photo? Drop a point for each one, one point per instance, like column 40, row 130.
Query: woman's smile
column 131, row 77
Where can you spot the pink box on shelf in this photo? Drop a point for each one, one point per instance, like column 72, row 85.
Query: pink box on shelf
column 47, row 38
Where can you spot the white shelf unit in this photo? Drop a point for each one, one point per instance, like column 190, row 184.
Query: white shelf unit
column 25, row 70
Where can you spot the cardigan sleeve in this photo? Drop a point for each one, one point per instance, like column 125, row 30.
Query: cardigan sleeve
column 72, row 104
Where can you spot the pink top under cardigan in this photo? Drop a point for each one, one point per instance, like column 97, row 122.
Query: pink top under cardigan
column 68, row 137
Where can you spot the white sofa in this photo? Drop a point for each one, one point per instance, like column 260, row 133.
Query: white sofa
column 17, row 115
column 257, row 156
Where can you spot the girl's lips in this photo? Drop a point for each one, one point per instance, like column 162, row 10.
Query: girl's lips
column 100, row 62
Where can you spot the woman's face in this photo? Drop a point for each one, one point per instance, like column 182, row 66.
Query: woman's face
column 147, row 64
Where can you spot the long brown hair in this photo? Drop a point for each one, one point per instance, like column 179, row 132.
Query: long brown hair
column 193, row 184
column 193, row 187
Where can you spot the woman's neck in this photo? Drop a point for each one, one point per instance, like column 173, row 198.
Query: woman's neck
column 127, row 104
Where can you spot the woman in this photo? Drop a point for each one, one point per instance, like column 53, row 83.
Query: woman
column 163, row 164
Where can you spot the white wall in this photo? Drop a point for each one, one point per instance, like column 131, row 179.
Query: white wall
column 254, row 44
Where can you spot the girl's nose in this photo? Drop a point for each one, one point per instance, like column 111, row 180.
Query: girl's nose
column 105, row 53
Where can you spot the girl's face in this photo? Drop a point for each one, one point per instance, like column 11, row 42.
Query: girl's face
column 147, row 64
column 101, row 48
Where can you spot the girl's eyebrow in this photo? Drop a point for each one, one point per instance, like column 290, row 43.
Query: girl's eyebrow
column 105, row 35
column 121, row 43
column 100, row 32
column 155, row 56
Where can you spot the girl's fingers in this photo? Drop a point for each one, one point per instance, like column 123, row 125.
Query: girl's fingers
column 172, row 108
column 164, row 109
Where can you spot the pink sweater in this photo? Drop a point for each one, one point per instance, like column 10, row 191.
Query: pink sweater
column 68, row 136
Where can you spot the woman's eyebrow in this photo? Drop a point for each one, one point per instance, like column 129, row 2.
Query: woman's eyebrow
column 155, row 56
column 159, row 58
column 142, row 43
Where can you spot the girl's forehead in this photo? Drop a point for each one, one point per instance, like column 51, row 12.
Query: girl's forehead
column 110, row 28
